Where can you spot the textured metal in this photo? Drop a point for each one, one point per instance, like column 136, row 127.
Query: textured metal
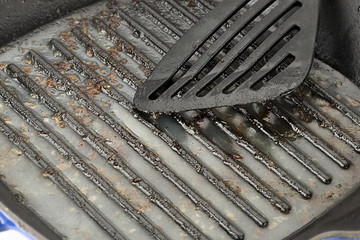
column 212, row 178
column 253, row 172
column 225, row 74
column 287, row 146
column 116, row 160
column 63, row 183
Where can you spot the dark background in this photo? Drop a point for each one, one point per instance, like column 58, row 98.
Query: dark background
column 339, row 36
column 18, row 17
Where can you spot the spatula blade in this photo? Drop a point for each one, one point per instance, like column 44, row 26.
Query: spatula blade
column 265, row 51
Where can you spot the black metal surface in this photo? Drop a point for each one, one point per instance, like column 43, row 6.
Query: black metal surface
column 18, row 17
column 227, row 71
column 338, row 42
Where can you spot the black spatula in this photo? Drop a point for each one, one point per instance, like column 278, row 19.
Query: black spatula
column 240, row 52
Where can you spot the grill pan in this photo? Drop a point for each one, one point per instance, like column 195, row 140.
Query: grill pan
column 263, row 171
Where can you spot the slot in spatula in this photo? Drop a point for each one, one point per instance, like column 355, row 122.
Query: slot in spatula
column 242, row 51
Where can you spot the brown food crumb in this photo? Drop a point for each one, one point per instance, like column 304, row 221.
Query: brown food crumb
column 330, row 194
column 62, row 66
column 93, row 65
column 68, row 38
column 156, row 115
column 81, row 23
column 84, row 30
column 50, row 82
column 92, row 154
column 89, row 51
column 104, row 14
column 28, row 61
column 111, row 5
column 113, row 51
column 114, row 23
column 73, row 78
column 7, row 120
column 354, row 102
column 26, row 69
column 38, row 80
column 113, row 77
column 94, row 89
column 237, row 157
column 104, row 72
column 339, row 84
column 227, row 183
column 30, row 105
column 136, row 180
column 191, row 4
column 22, row 50
column 3, row 65
column 48, row 172
column 58, row 120
column 62, row 124
column 123, row 61
column 82, row 113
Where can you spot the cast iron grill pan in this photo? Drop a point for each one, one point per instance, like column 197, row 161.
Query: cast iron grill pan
column 260, row 171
